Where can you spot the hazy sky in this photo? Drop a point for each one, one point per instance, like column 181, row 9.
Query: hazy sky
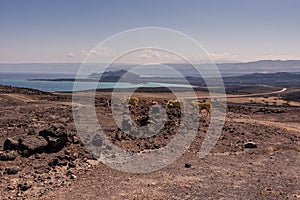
column 64, row 31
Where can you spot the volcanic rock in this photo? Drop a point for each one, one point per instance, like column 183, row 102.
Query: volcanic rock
column 5, row 156
column 188, row 165
column 32, row 144
column 56, row 137
column 25, row 186
column 12, row 170
column 126, row 125
column 250, row 145
column 97, row 140
column 71, row 164
column 10, row 144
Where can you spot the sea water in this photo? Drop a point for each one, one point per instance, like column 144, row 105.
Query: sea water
column 24, row 80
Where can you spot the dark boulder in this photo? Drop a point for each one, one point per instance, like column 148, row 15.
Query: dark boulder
column 12, row 170
column 250, row 145
column 56, row 137
column 10, row 144
column 55, row 144
column 126, row 125
column 97, row 141
column 53, row 162
column 187, row 165
column 27, row 145
column 5, row 156
column 32, row 144
column 71, row 164
column 25, row 186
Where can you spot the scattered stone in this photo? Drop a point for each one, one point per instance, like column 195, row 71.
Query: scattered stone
column 108, row 147
column 63, row 183
column 33, row 144
column 250, row 145
column 10, row 144
column 69, row 172
column 67, row 152
column 151, row 184
column 55, row 144
column 12, row 170
column 5, row 156
column 41, row 169
column 53, row 162
column 73, row 176
column 63, row 157
column 126, row 126
column 155, row 109
column 25, row 186
column 155, row 146
column 37, row 156
column 62, row 163
column 19, row 194
column 75, row 139
column 187, row 165
column 71, row 165
column 56, row 137
column 73, row 157
column 10, row 187
column 118, row 136
column 25, row 153
column 97, row 141
column 143, row 120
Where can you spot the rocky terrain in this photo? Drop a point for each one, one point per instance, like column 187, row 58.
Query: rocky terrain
column 42, row 157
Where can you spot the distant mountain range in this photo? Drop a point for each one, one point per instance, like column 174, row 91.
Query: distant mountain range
column 114, row 76
column 236, row 69
column 226, row 69
column 283, row 79
column 108, row 76
column 262, row 66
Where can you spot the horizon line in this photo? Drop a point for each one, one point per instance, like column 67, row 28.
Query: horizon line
column 216, row 62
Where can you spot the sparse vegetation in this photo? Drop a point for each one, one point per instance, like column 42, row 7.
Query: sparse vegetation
column 132, row 101
column 175, row 103
column 203, row 106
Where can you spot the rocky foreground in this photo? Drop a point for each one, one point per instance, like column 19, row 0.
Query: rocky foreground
column 42, row 157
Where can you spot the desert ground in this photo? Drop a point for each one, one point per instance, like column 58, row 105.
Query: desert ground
column 42, row 157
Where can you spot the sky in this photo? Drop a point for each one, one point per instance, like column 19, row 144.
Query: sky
column 54, row 31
